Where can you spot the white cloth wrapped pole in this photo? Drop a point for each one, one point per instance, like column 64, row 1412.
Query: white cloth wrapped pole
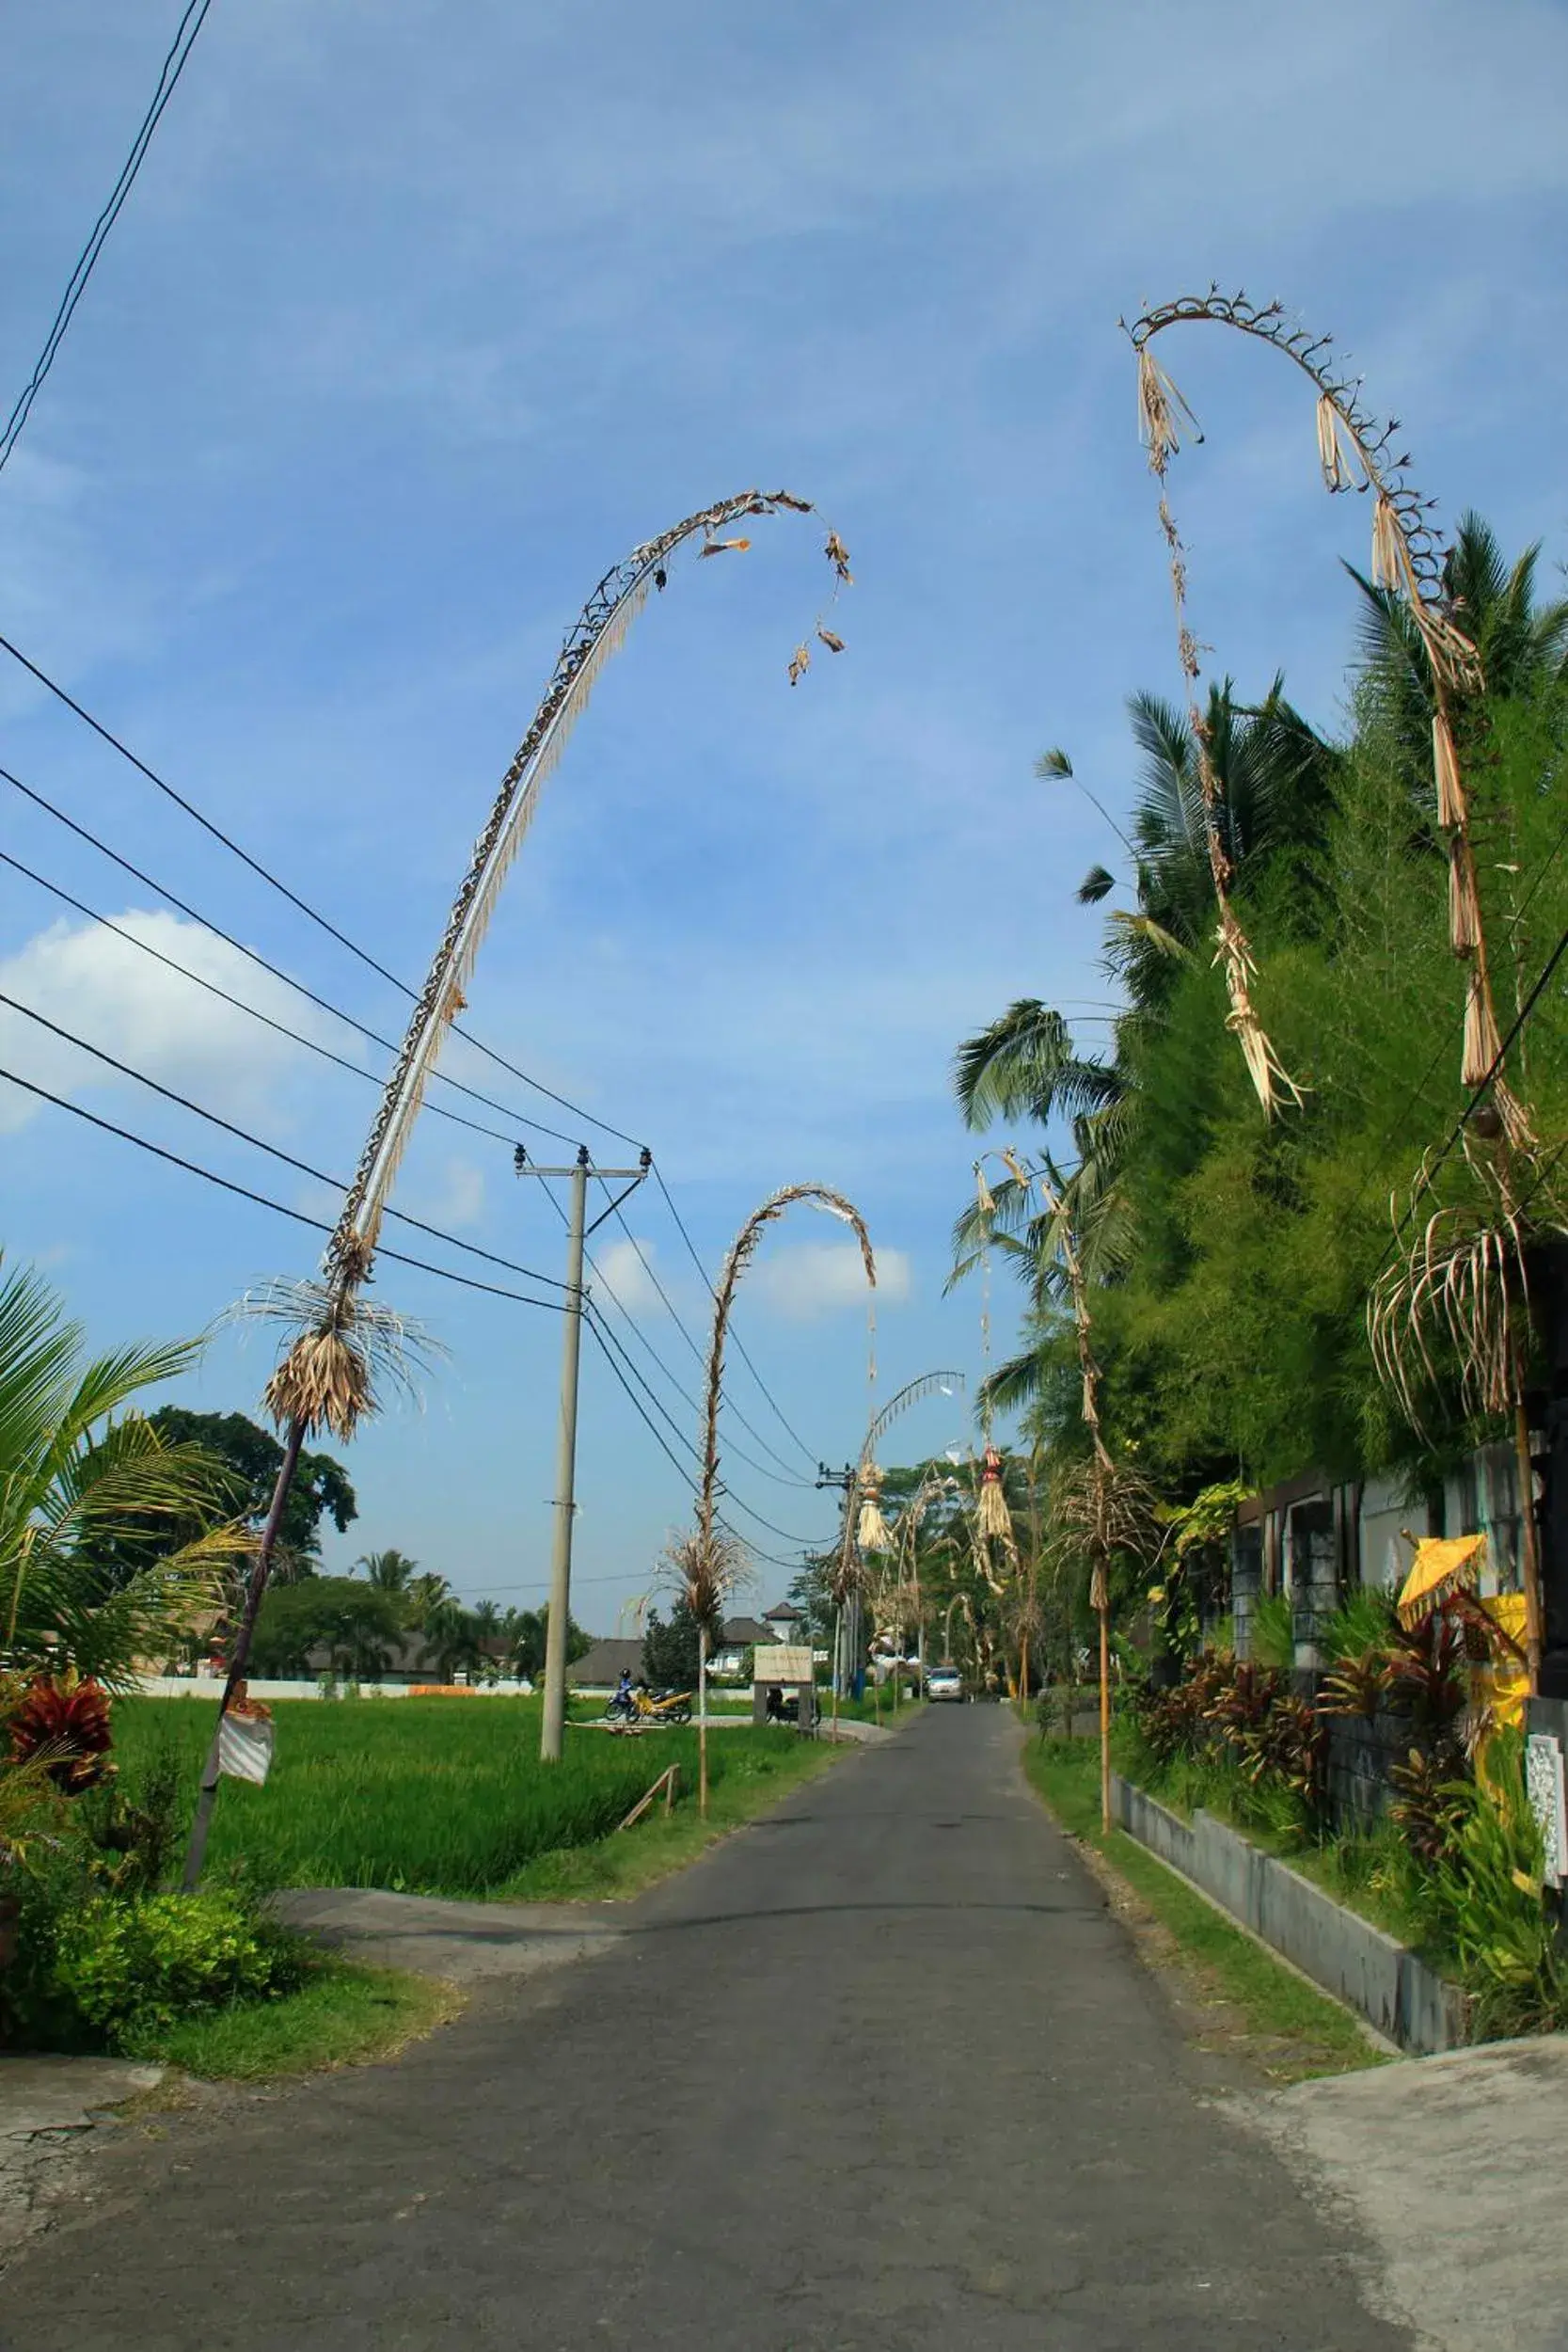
column 244, row 1747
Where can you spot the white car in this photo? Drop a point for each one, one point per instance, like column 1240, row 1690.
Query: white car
column 944, row 1683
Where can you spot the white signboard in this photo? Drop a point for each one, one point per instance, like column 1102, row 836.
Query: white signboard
column 780, row 1661
column 1543, row 1778
column 244, row 1747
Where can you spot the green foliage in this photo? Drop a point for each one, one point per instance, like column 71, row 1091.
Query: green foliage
column 670, row 1649
column 321, row 1490
column 1258, row 1748
column 358, row 1624
column 83, row 1475
column 1489, row 1887
column 424, row 1796
column 123, row 1971
column 1364, row 1620
column 341, row 2016
column 1272, row 1637
column 1229, row 1258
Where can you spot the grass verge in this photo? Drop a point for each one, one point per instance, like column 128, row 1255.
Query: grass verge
column 344, row 2016
column 1283, row 2025
column 618, row 1867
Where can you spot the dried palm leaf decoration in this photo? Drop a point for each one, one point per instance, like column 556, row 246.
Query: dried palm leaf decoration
column 326, row 1377
column 1162, row 416
column 1355, row 453
column 701, row 1562
column 318, row 1381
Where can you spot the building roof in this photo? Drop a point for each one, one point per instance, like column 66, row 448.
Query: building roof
column 784, row 1614
column 743, row 1633
column 606, row 1662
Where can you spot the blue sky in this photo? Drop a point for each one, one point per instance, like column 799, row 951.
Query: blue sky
column 417, row 320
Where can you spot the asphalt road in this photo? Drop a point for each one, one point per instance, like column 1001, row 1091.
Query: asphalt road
column 881, row 2070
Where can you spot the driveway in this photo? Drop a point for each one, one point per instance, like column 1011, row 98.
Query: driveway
column 881, row 2070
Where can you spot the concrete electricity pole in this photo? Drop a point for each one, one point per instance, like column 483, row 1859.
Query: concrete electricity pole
column 558, row 1617
column 846, row 1624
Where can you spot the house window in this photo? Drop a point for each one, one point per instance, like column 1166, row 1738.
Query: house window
column 1499, row 1515
column 1312, row 1571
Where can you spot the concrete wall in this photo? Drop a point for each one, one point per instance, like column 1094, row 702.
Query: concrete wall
column 211, row 1687
column 1350, row 1958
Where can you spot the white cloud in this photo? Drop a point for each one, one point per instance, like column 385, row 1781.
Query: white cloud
column 802, row 1280
column 455, row 1196
column 104, row 990
column 622, row 1271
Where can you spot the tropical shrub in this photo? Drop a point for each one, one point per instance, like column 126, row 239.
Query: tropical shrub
column 63, row 1723
column 118, row 1971
column 1488, row 1884
column 83, row 1475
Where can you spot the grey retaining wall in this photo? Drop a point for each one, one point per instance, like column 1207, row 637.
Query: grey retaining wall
column 1350, row 1958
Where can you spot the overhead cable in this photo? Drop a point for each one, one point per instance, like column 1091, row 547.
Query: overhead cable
column 263, row 1200
column 313, row 914
column 86, row 260
column 273, row 1150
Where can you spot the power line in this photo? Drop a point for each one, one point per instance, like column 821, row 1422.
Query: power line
column 782, row 1476
column 739, row 1344
column 86, row 260
column 253, row 956
column 654, row 1431
column 643, row 1339
column 787, row 1534
column 303, row 905
column 297, row 1037
column 602, row 1282
column 262, row 1199
column 274, row 1151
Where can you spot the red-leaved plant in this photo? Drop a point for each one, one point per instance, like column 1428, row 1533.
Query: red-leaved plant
column 63, row 1722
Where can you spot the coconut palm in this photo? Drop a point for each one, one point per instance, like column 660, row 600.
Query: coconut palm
column 84, row 1476
column 389, row 1571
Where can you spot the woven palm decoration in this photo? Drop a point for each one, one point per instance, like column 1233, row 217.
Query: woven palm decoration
column 1356, row 453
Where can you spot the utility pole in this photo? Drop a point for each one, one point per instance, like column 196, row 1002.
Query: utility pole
column 848, row 1624
column 559, row 1615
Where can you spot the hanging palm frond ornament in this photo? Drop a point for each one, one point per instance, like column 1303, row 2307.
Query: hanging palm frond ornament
column 992, row 1516
column 710, row 1560
column 871, row 1531
column 1356, row 451
column 342, row 1351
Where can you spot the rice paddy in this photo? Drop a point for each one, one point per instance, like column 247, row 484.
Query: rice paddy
column 437, row 1796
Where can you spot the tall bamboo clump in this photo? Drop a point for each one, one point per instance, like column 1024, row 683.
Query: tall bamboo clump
column 1462, row 1286
column 704, row 1561
column 343, row 1349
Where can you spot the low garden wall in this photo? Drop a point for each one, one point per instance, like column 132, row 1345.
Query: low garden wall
column 211, row 1687
column 1392, row 1988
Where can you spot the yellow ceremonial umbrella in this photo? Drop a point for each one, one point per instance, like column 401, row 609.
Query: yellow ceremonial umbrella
column 1444, row 1565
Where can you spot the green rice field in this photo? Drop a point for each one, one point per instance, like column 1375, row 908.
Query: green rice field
column 424, row 1796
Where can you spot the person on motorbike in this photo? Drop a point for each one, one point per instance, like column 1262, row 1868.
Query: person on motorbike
column 623, row 1703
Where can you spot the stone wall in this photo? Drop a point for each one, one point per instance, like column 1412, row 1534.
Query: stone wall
column 1392, row 1988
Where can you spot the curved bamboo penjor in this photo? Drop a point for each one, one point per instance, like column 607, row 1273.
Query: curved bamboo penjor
column 871, row 1527
column 327, row 1376
column 709, row 1563
column 1355, row 451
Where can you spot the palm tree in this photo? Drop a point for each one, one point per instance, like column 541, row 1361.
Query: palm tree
column 86, row 1480
column 1276, row 778
column 389, row 1571
column 425, row 1596
column 1522, row 645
